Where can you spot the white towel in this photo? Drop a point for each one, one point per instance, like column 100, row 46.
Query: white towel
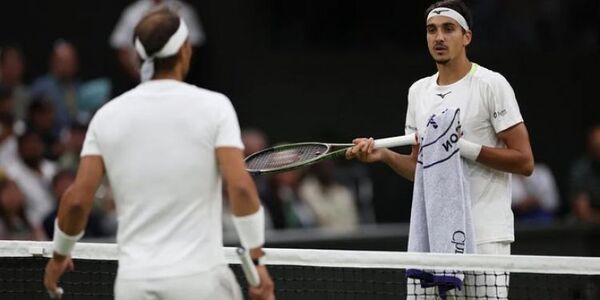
column 440, row 219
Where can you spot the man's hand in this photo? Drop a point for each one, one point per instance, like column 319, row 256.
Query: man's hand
column 265, row 291
column 55, row 268
column 364, row 151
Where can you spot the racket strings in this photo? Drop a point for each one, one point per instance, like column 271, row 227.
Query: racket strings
column 280, row 158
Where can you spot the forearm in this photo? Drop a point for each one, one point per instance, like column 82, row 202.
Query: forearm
column 402, row 164
column 73, row 211
column 507, row 160
column 243, row 197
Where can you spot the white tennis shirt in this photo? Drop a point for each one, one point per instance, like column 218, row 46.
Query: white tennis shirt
column 487, row 106
column 158, row 144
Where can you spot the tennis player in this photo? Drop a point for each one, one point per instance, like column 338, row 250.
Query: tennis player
column 164, row 146
column 495, row 141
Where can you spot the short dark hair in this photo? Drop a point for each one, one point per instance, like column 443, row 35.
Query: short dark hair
column 457, row 5
column 154, row 31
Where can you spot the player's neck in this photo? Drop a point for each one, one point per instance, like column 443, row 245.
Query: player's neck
column 168, row 75
column 175, row 74
column 453, row 71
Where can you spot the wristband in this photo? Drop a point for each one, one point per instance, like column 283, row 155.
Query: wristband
column 251, row 229
column 469, row 150
column 64, row 243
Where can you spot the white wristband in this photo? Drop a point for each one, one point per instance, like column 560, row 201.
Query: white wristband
column 64, row 243
column 251, row 229
column 469, row 150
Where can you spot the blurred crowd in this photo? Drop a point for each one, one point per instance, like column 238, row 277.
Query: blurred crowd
column 43, row 125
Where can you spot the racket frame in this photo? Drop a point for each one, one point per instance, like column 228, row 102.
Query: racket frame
column 331, row 151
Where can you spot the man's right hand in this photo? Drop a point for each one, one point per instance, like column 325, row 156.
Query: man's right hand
column 265, row 291
column 364, row 151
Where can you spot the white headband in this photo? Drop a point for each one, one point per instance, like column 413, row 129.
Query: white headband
column 169, row 49
column 450, row 13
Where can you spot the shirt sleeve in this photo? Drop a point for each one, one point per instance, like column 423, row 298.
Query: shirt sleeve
column 228, row 128
column 410, row 125
column 90, row 144
column 503, row 109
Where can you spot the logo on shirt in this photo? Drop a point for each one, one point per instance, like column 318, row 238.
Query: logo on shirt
column 439, row 11
column 443, row 95
column 458, row 239
column 501, row 113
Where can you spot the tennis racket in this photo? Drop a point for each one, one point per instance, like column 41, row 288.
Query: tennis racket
column 248, row 267
column 293, row 156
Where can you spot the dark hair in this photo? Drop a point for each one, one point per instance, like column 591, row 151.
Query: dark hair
column 39, row 104
column 154, row 31
column 457, row 5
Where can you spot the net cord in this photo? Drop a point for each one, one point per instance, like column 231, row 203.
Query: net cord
column 351, row 259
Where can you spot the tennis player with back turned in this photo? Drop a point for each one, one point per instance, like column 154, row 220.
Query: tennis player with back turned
column 495, row 141
column 164, row 146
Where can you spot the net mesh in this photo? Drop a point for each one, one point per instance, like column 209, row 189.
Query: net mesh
column 21, row 278
column 282, row 157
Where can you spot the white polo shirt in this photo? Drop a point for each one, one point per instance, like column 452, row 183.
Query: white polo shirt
column 487, row 106
column 158, row 144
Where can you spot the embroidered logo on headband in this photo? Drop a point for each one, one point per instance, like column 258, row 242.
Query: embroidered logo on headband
column 450, row 13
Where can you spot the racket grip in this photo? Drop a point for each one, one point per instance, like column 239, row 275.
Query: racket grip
column 403, row 140
column 248, row 267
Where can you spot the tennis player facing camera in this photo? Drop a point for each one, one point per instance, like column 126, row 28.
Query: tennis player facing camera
column 164, row 146
column 495, row 141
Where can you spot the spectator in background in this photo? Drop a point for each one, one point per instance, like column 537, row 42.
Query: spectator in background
column 585, row 181
column 61, row 181
column 535, row 198
column 40, row 119
column 72, row 145
column 121, row 38
column 12, row 68
column 14, row 223
column 286, row 206
column 255, row 140
column 8, row 141
column 33, row 174
column 61, row 85
column 332, row 203
column 7, row 102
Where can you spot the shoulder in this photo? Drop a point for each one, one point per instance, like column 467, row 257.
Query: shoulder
column 489, row 78
column 137, row 8
column 204, row 96
column 421, row 84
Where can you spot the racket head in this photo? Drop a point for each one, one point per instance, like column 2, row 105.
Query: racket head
column 286, row 157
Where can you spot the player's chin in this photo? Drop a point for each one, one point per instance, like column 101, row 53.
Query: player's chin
column 441, row 60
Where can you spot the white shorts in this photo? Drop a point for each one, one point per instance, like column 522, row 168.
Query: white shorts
column 217, row 283
column 476, row 285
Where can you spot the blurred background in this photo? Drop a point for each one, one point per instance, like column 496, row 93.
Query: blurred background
column 327, row 70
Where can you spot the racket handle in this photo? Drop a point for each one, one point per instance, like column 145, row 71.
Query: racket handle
column 403, row 140
column 248, row 267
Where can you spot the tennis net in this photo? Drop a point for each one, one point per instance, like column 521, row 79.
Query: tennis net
column 328, row 274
